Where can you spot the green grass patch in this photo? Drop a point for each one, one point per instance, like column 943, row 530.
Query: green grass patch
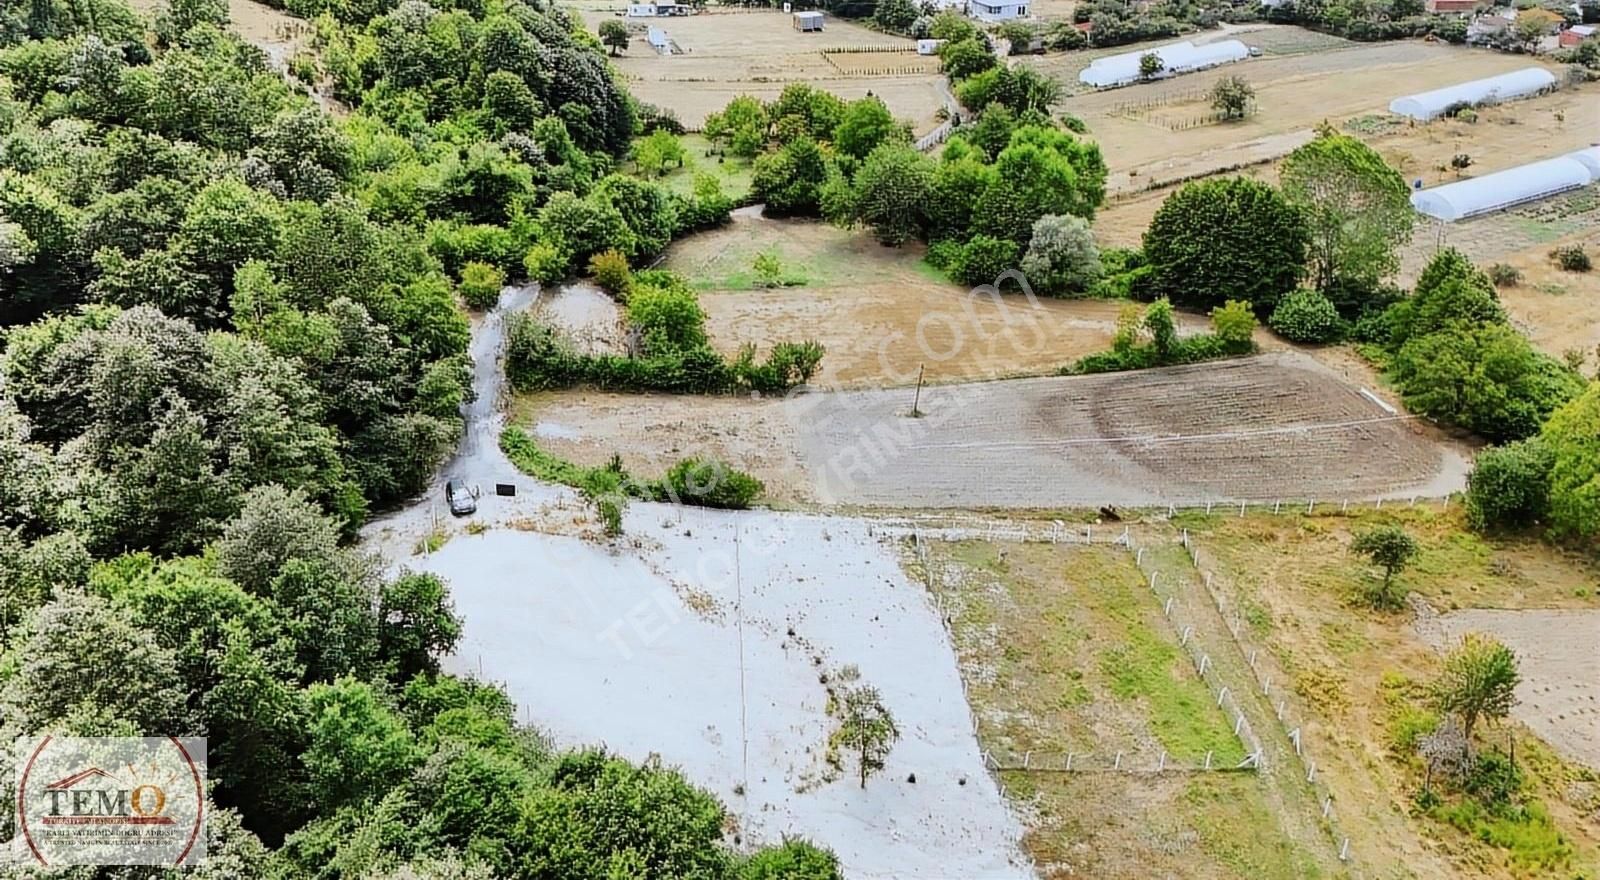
column 1237, row 830
column 1151, row 668
column 1532, row 842
column 734, row 174
column 691, row 481
column 526, row 455
column 430, row 543
column 749, row 279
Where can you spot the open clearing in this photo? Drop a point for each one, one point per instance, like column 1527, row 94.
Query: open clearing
column 1064, row 650
column 1559, row 697
column 1558, row 310
column 882, row 312
column 1261, row 428
column 704, row 642
column 1355, row 676
column 757, row 52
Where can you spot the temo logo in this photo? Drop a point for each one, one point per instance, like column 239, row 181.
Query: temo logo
column 110, row 801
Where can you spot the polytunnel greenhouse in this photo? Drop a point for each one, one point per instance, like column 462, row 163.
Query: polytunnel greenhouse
column 1524, row 83
column 1503, row 189
column 1176, row 58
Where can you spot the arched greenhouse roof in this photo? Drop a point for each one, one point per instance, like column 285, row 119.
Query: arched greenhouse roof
column 1505, row 87
column 1513, row 186
column 1176, row 58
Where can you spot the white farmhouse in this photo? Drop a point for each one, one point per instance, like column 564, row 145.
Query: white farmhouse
column 997, row 10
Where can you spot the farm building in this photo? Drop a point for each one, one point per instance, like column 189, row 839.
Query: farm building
column 997, row 10
column 929, row 47
column 1524, row 83
column 1577, row 34
column 808, row 21
column 658, row 40
column 1513, row 186
column 656, row 10
column 1176, row 58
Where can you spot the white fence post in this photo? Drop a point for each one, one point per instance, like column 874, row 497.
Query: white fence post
column 1222, row 695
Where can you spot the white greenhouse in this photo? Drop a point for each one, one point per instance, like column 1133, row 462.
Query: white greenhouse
column 1524, row 83
column 1513, row 186
column 1176, row 58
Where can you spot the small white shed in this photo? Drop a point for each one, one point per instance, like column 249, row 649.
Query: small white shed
column 929, row 47
column 998, row 10
column 810, row 20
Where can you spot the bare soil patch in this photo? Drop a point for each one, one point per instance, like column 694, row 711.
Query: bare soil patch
column 881, row 312
column 1278, row 425
column 758, row 52
column 1263, row 428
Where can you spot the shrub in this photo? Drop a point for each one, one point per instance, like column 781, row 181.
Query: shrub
column 1235, row 326
column 791, row 364
column 1572, row 258
column 545, row 263
column 1504, row 275
column 1061, row 255
column 769, row 269
column 667, row 318
column 611, row 272
column 983, row 259
column 1510, row 485
column 1306, row 316
column 480, row 285
column 708, row 483
column 943, row 254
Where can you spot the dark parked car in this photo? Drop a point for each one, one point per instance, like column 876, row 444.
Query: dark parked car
column 462, row 500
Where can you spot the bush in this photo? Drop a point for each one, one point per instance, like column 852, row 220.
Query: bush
column 943, row 254
column 1572, row 258
column 708, row 483
column 1510, row 485
column 1235, row 326
column 480, row 285
column 1306, row 316
column 545, row 263
column 983, row 259
column 668, row 318
column 1505, row 276
column 1492, row 780
column 611, row 272
column 791, row 364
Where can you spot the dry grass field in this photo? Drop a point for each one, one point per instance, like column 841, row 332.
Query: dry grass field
column 881, row 312
column 756, row 52
column 1062, row 648
column 1358, row 677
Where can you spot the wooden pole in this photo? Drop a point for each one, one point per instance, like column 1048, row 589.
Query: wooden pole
column 916, row 401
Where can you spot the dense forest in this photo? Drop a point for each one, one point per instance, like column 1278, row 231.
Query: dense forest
column 233, row 326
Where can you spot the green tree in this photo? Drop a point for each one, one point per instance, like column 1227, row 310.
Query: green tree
column 1392, row 549
column 866, row 123
column 895, row 16
column 417, row 625
column 657, row 150
column 614, row 35
column 1231, row 238
column 1510, row 485
column 1163, row 329
column 866, row 729
column 1232, row 96
column 1150, row 65
column 1061, row 256
column 1479, row 681
column 965, row 57
column 1357, row 209
column 892, row 190
column 358, row 747
column 790, row 181
column 1573, row 437
column 1485, row 377
column 794, row 860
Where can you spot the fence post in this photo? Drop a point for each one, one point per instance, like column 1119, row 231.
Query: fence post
column 1238, row 722
column 1069, row 761
column 1344, row 850
column 1161, row 767
column 1187, row 632
column 1167, row 608
column 1266, row 685
column 1153, row 580
column 1327, row 806
column 1208, row 760
column 1222, row 695
column 1117, row 765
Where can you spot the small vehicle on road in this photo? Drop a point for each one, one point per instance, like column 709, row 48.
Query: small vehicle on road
column 462, row 501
